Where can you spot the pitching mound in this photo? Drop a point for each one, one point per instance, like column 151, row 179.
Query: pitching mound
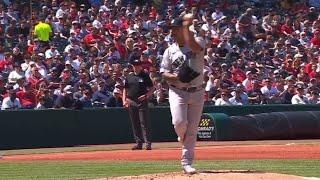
column 209, row 175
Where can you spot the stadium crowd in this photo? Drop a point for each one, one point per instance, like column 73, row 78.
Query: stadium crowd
column 72, row 54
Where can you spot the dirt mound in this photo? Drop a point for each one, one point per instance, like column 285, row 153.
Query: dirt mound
column 209, row 175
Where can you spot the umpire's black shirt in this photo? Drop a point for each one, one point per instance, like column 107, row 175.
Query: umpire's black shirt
column 137, row 85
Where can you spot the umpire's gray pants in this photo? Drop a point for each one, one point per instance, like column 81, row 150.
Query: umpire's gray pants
column 186, row 109
column 139, row 116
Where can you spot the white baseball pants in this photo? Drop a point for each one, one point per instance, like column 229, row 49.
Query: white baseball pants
column 186, row 109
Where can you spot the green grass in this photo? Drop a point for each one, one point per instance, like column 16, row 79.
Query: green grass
column 97, row 169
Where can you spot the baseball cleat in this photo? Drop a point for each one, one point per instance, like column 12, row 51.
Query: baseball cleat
column 148, row 147
column 188, row 169
column 137, row 147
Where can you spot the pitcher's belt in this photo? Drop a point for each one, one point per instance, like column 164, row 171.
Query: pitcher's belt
column 189, row 89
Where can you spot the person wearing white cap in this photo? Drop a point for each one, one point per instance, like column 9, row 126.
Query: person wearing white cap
column 247, row 83
column 116, row 99
column 65, row 100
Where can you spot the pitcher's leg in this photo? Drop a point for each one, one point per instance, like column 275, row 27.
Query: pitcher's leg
column 189, row 143
column 178, row 110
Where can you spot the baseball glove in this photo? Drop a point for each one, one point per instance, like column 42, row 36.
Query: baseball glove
column 187, row 74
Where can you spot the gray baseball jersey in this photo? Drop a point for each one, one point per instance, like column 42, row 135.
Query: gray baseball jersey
column 174, row 56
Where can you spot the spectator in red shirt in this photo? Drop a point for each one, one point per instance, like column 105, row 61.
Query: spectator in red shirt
column 120, row 47
column 93, row 37
column 196, row 3
column 313, row 61
column 125, row 22
column 238, row 75
column 6, row 65
column 153, row 11
column 73, row 11
column 314, row 73
column 289, row 67
column 315, row 41
column 27, row 97
column 287, row 29
column 35, row 79
column 142, row 43
column 112, row 27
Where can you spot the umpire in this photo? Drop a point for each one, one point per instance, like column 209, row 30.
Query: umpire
column 138, row 88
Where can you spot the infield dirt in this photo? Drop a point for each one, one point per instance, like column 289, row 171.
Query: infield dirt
column 213, row 175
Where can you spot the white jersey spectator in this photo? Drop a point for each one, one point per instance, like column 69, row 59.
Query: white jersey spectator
column 217, row 14
column 247, row 83
column 268, row 92
column 296, row 99
column 299, row 98
column 15, row 75
column 62, row 10
column 75, row 64
column 151, row 24
column 222, row 102
column 8, row 104
column 97, row 24
column 52, row 52
column 235, row 101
